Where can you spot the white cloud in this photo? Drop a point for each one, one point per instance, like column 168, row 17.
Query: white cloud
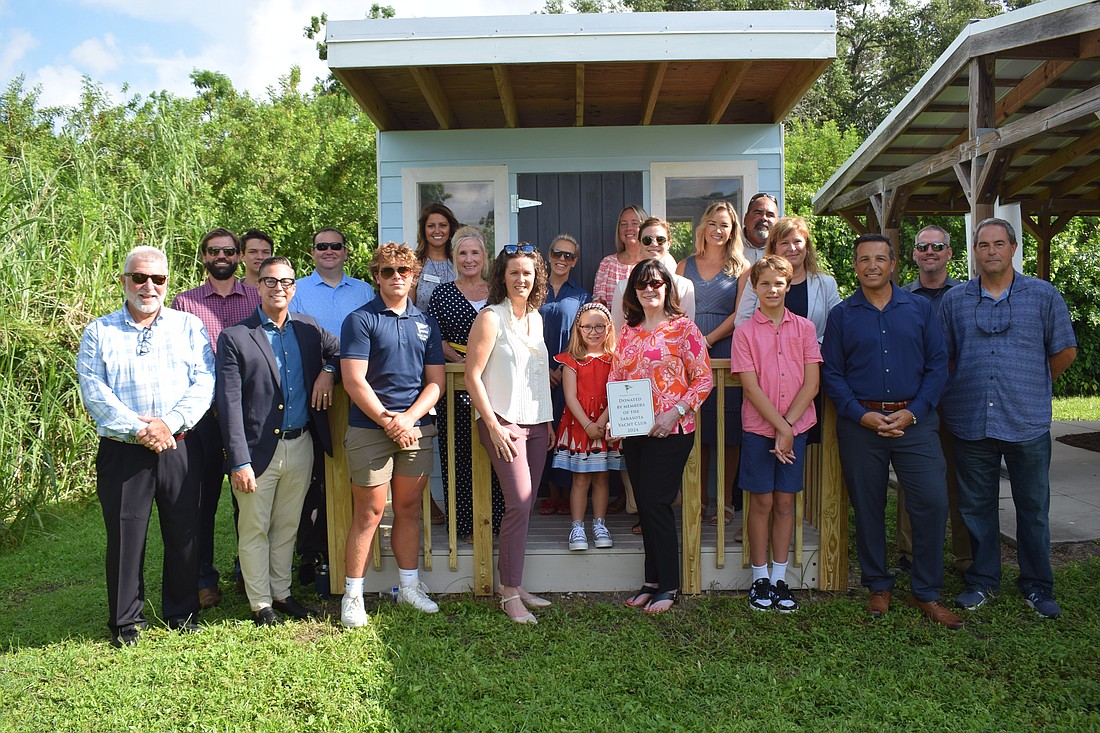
column 96, row 56
column 61, row 85
column 14, row 45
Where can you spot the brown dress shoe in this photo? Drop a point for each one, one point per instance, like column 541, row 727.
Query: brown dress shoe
column 937, row 612
column 879, row 603
column 209, row 597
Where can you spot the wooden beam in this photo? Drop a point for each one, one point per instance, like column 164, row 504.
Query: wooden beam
column 1086, row 176
column 338, row 489
column 858, row 226
column 434, row 95
column 990, row 176
column 507, row 97
column 1016, row 133
column 794, row 87
column 1064, row 157
column 1089, row 46
column 983, row 91
column 653, row 90
column 733, row 73
column 580, row 95
column 368, row 97
column 1031, row 85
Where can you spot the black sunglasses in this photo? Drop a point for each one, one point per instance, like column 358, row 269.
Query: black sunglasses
column 521, row 248
column 654, row 284
column 650, row 239
column 936, row 246
column 139, row 278
column 386, row 273
column 271, row 282
column 764, row 196
column 227, row 251
column 325, row 246
column 563, row 255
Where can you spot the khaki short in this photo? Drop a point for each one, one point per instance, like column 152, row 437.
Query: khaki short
column 373, row 458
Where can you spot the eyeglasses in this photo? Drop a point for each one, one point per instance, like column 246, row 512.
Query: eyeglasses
column 143, row 342
column 936, row 246
column 521, row 248
column 227, row 251
column 326, row 246
column 653, row 284
column 993, row 318
column 649, row 239
column 596, row 329
column 386, row 273
column 561, row 254
column 139, row 278
column 271, row 282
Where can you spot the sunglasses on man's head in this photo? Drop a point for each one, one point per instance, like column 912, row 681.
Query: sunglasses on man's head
column 936, row 246
column 521, row 248
column 325, row 246
column 563, row 255
column 140, row 278
column 227, row 251
column 387, row 272
column 654, row 284
column 271, row 282
column 649, row 239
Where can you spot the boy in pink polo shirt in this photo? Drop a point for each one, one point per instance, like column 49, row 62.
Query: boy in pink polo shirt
column 777, row 356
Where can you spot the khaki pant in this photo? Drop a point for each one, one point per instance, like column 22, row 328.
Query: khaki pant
column 268, row 522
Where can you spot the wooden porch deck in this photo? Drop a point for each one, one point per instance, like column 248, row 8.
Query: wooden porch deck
column 552, row 568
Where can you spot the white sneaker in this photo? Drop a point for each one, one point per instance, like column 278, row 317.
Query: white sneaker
column 578, row 539
column 417, row 597
column 601, row 535
column 352, row 613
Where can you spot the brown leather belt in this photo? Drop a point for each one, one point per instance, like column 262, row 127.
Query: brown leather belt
column 885, row 406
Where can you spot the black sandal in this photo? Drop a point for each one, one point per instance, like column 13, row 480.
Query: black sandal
column 637, row 528
column 646, row 590
column 668, row 595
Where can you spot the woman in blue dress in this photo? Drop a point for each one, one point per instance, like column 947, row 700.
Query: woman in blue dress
column 714, row 269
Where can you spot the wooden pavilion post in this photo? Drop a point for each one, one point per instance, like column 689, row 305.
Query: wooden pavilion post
column 834, row 508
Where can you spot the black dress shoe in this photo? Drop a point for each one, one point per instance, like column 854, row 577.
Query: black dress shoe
column 185, row 625
column 291, row 607
column 126, row 637
column 266, row 617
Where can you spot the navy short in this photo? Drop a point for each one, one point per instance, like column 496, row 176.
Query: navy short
column 762, row 473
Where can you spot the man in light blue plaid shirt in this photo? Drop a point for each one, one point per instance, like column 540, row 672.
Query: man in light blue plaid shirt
column 147, row 376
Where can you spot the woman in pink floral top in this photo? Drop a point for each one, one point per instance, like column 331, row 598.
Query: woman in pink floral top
column 661, row 344
column 616, row 267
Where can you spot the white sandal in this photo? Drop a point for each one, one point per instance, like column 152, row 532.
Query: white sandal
column 527, row 618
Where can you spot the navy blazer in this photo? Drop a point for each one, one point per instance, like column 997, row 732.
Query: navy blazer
column 249, row 395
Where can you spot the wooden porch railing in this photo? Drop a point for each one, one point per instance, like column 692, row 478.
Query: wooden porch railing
column 824, row 502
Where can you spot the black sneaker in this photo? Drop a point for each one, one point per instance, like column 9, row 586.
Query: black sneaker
column 782, row 599
column 266, row 617
column 291, row 607
column 126, row 637
column 760, row 595
column 185, row 625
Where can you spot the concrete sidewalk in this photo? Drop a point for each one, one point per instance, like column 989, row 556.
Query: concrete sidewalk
column 1074, row 489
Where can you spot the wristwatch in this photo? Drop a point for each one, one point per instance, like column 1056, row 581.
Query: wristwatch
column 680, row 409
column 329, row 368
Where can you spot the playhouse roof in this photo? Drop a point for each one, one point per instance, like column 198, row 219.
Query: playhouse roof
column 683, row 68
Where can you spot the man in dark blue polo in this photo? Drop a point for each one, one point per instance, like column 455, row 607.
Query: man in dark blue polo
column 885, row 368
column 392, row 365
column 1008, row 338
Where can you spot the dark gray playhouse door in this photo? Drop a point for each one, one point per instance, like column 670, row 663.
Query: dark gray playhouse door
column 586, row 205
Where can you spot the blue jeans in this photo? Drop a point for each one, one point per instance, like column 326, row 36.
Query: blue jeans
column 979, row 472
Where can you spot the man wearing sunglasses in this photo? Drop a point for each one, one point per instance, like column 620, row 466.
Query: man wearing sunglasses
column 1008, row 338
column 275, row 378
column 931, row 253
column 146, row 377
column 221, row 301
column 329, row 295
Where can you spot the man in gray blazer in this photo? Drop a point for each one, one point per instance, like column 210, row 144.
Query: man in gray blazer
column 275, row 374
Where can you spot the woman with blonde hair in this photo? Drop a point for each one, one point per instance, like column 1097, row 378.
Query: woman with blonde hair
column 628, row 250
column 714, row 270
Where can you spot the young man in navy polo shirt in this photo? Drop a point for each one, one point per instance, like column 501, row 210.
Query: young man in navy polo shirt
column 392, row 367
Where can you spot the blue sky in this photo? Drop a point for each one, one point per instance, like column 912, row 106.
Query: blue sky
column 155, row 44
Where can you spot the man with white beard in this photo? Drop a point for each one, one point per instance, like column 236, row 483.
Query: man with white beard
column 146, row 377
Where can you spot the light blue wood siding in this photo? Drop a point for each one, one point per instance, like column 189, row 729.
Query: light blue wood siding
column 559, row 150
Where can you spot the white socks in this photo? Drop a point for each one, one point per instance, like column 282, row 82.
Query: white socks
column 779, row 572
column 408, row 578
column 353, row 586
column 759, row 571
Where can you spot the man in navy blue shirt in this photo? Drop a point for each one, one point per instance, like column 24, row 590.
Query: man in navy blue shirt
column 885, row 368
column 392, row 364
column 1008, row 338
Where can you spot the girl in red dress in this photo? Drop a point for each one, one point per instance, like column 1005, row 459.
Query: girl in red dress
column 582, row 447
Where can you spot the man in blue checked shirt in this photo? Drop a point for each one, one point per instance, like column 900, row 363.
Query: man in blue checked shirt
column 147, row 376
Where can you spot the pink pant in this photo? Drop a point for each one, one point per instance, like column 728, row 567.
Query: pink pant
column 519, row 481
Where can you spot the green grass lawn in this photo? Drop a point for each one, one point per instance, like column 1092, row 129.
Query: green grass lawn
column 710, row 665
column 1077, row 408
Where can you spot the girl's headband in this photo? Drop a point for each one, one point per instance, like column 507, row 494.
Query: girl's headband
column 593, row 305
